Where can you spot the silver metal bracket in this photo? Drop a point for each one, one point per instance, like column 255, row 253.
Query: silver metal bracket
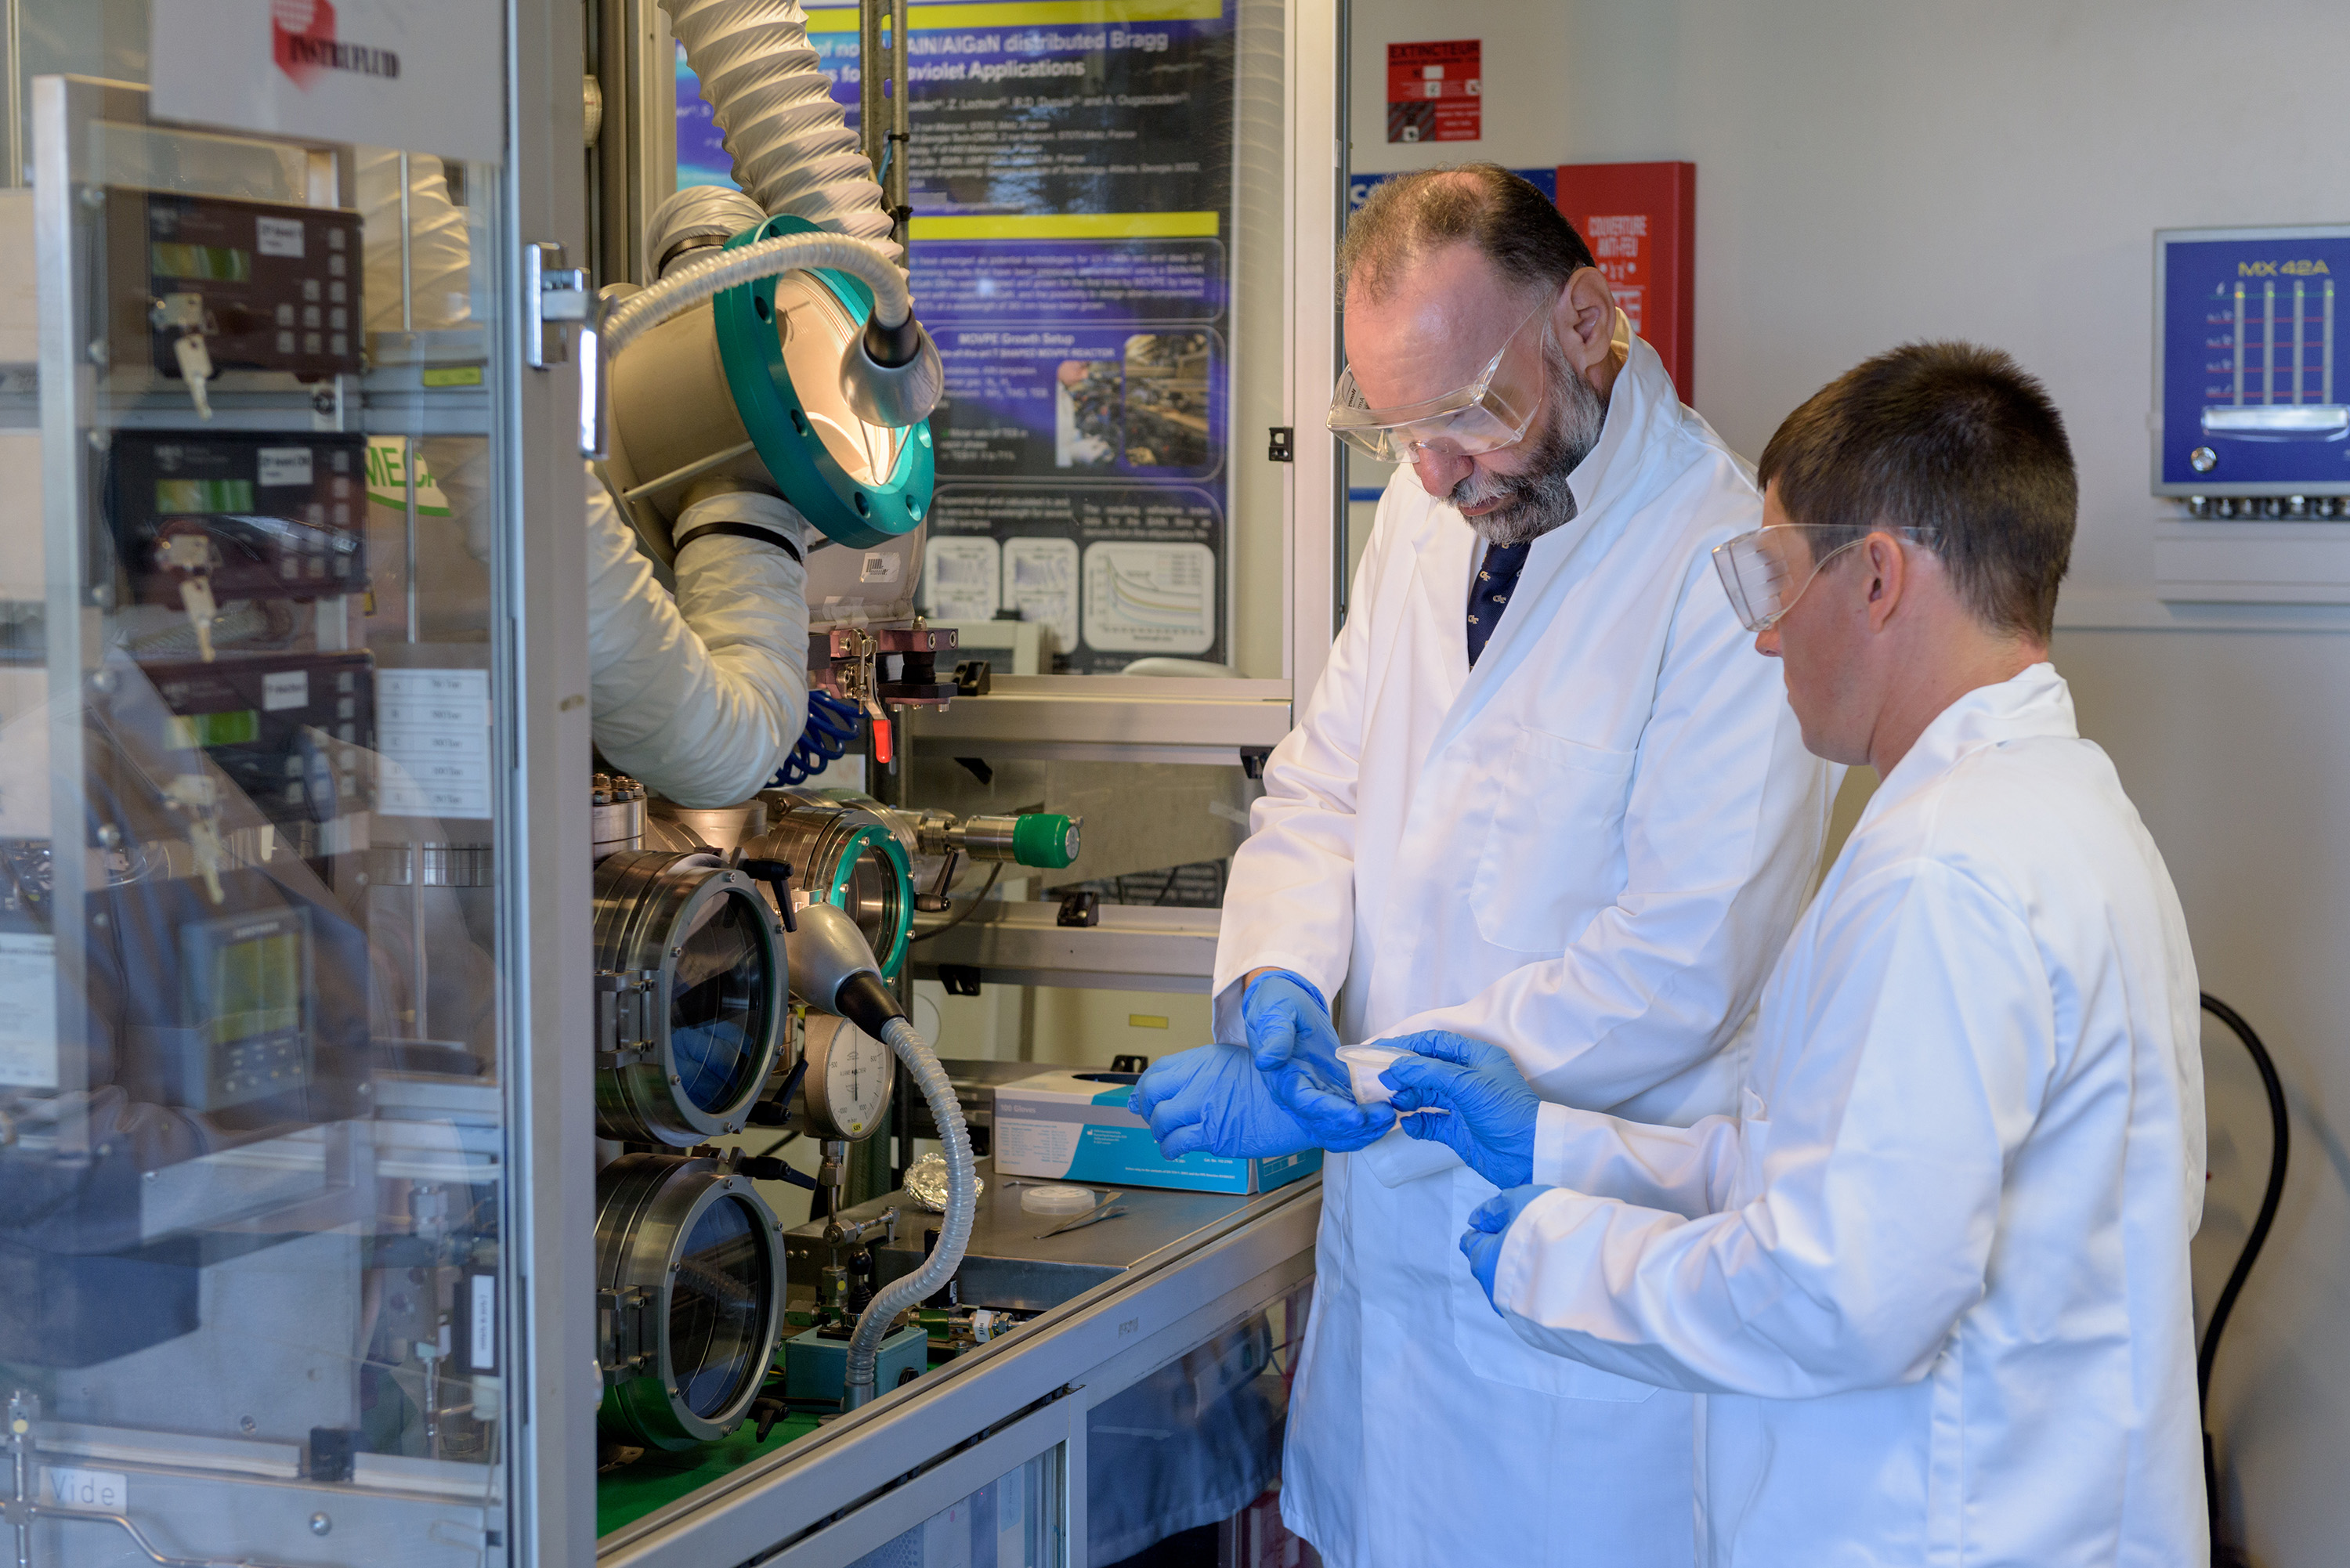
column 625, row 1339
column 551, row 293
column 624, row 1016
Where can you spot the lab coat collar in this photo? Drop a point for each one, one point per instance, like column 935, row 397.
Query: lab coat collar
column 2033, row 704
column 1632, row 404
column 1606, row 483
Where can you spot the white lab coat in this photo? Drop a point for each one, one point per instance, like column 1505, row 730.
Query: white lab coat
column 1586, row 851
column 1933, row 1280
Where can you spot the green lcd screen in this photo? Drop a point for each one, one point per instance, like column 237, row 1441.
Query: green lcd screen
column 256, row 988
column 239, row 727
column 203, row 496
column 213, row 263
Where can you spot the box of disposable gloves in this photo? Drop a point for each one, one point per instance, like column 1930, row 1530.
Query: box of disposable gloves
column 1073, row 1126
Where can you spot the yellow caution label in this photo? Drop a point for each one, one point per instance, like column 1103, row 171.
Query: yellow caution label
column 1144, row 1021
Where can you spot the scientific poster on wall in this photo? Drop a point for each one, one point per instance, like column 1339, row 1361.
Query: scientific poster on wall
column 1071, row 181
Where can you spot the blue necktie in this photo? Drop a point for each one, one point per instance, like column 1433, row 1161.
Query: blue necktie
column 1497, row 580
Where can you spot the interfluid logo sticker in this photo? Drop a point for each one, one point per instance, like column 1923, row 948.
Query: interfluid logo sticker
column 303, row 35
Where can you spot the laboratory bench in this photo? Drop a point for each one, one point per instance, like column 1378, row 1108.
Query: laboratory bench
column 1131, row 1387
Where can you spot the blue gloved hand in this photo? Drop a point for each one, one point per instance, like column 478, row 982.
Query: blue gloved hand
column 1212, row 1099
column 1297, row 1047
column 1489, row 1227
column 1491, row 1124
column 1331, row 1116
column 1287, row 1020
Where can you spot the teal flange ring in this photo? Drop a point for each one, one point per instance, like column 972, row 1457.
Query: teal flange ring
column 849, row 511
column 840, row 895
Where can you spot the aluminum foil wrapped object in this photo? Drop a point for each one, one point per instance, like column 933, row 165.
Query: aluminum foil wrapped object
column 926, row 1183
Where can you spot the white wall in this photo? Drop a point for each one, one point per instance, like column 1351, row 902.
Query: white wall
column 1872, row 173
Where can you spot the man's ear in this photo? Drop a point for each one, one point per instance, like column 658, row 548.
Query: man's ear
column 1888, row 577
column 1586, row 313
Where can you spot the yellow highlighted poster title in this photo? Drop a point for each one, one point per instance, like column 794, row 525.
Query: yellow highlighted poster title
column 1072, row 227
column 1032, row 14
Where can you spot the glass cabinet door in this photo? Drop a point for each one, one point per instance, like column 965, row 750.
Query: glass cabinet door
column 256, row 1069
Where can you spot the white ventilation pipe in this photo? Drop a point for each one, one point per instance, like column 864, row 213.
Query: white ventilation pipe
column 702, row 696
column 712, row 272
column 792, row 150
column 698, row 218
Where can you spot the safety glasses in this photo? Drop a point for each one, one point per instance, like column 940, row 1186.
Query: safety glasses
column 1760, row 570
column 1488, row 414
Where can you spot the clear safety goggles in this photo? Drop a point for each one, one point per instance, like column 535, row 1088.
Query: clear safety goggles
column 1488, row 414
column 1761, row 580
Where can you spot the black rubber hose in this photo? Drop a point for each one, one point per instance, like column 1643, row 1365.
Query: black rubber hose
column 2280, row 1132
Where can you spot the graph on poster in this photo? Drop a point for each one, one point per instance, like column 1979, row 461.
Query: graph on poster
column 1150, row 599
column 1040, row 581
column 961, row 575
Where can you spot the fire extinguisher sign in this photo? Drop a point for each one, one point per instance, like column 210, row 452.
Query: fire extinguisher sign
column 1435, row 91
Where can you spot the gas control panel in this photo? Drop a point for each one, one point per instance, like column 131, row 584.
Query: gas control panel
column 259, row 286
column 261, row 516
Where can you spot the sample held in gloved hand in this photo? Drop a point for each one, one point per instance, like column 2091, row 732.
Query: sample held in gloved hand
column 1212, row 1099
column 1296, row 1046
column 1491, row 1124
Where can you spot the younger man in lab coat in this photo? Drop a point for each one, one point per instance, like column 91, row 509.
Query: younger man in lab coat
column 1932, row 1277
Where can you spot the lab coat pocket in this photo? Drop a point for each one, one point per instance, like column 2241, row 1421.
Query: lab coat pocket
column 1494, row 1352
column 1554, row 855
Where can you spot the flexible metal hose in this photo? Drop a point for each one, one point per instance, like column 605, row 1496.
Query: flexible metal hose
column 689, row 285
column 792, row 150
column 954, row 1233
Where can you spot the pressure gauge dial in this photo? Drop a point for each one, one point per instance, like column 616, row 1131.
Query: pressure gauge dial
column 849, row 1075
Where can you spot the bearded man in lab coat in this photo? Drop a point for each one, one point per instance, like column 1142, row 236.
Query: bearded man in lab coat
column 1932, row 1276
column 1542, row 794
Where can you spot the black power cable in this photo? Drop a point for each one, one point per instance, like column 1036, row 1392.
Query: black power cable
column 2280, row 1137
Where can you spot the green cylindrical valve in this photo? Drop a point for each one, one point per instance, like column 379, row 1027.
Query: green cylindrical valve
column 1046, row 838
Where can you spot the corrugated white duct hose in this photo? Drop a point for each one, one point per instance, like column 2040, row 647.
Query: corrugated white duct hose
column 711, row 732
column 699, row 697
column 792, row 150
column 697, row 218
column 700, row 694
column 954, row 1232
column 832, row 969
column 711, row 273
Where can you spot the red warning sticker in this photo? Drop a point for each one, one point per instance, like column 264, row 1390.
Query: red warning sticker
column 1435, row 91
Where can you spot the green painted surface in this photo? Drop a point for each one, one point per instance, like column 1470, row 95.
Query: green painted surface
column 625, row 1496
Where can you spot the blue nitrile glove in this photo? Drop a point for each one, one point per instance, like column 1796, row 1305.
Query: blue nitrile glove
column 1287, row 1020
column 1212, row 1099
column 1330, row 1116
column 1491, row 1122
column 1295, row 1046
column 1489, row 1227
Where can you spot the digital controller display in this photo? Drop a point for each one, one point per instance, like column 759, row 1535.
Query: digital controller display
column 271, row 287
column 2254, row 394
column 284, row 515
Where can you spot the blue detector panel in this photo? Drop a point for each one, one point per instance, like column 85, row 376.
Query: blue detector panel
column 2250, row 327
column 787, row 423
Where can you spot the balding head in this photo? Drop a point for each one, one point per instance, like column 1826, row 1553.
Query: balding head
column 1508, row 221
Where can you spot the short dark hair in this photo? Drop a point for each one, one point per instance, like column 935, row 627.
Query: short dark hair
column 1513, row 224
column 1947, row 436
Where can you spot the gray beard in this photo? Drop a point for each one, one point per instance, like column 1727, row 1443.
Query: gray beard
column 1539, row 500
